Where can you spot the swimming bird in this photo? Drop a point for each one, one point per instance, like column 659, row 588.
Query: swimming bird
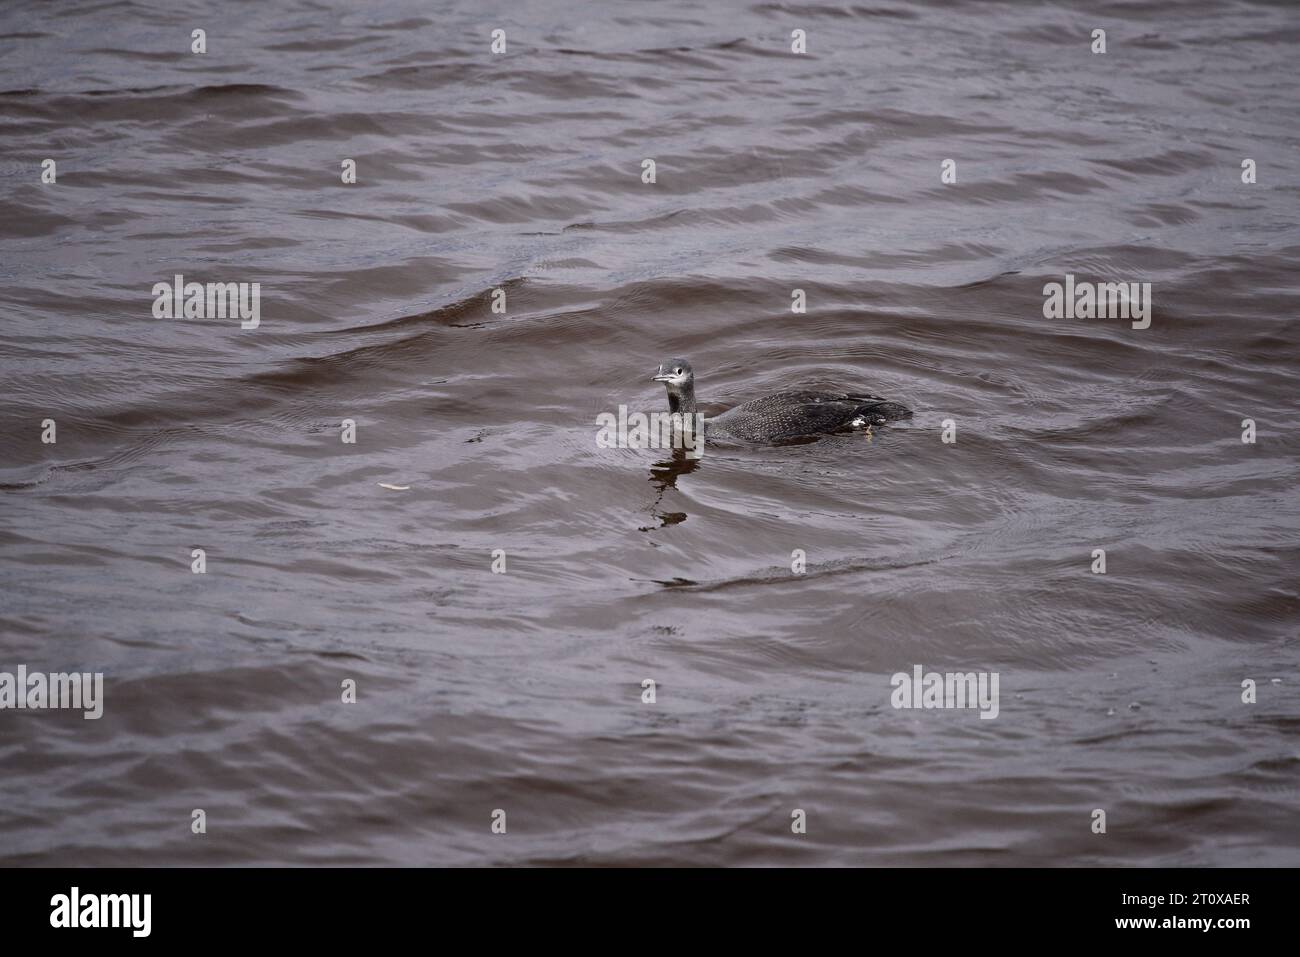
column 781, row 415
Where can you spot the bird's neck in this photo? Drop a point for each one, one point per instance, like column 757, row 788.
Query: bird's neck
column 682, row 400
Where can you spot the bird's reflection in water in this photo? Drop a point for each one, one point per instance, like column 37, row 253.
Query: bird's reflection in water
column 663, row 476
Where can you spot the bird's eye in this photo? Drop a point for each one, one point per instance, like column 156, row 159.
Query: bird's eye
column 677, row 372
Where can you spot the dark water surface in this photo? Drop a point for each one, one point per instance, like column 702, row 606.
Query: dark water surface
column 522, row 691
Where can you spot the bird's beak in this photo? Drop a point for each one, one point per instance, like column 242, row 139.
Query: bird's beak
column 660, row 377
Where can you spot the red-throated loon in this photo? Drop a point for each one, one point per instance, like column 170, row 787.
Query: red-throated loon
column 781, row 415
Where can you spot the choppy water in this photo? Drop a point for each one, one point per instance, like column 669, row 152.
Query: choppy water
column 522, row 691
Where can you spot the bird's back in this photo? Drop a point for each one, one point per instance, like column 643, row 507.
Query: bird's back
column 787, row 415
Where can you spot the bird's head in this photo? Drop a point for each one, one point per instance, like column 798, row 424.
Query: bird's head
column 676, row 374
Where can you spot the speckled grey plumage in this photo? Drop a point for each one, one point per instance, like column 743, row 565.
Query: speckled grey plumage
column 781, row 415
